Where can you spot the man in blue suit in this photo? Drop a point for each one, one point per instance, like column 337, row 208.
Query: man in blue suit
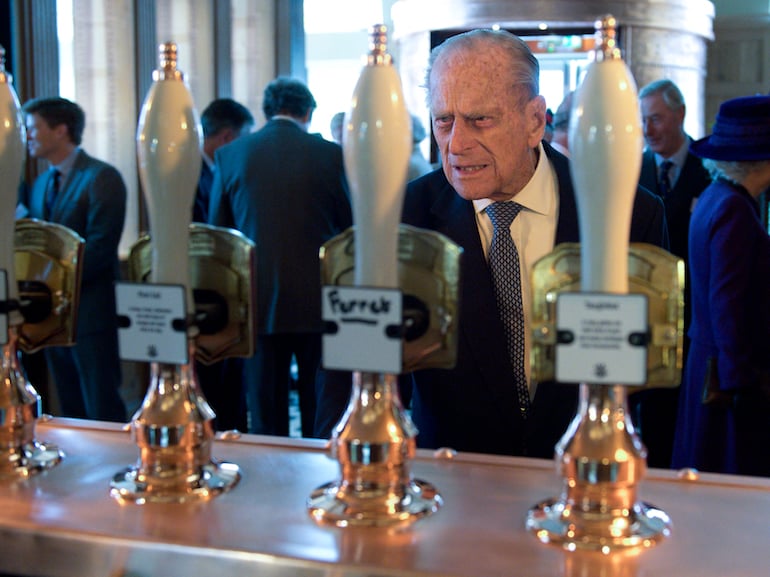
column 663, row 112
column 286, row 190
column 88, row 196
column 488, row 121
column 222, row 121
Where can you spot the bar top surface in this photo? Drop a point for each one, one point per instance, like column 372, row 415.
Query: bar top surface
column 64, row 523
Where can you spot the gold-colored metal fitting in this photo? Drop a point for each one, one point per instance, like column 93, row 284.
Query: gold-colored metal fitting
column 606, row 39
column 48, row 260
column 175, row 434
column 652, row 272
column 167, row 69
column 378, row 47
column 21, row 455
column 428, row 276
column 224, row 288
column 373, row 443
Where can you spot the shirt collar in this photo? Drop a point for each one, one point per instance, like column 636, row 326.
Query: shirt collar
column 678, row 157
column 296, row 121
column 65, row 166
column 531, row 197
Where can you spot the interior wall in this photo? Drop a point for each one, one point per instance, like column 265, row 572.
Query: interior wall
column 741, row 7
column 659, row 38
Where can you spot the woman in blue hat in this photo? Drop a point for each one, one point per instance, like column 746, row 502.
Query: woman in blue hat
column 724, row 412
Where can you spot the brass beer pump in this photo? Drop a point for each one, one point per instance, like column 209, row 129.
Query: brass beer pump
column 173, row 428
column 375, row 439
column 600, row 456
column 23, row 246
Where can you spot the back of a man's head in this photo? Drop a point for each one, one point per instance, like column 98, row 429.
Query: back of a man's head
column 336, row 126
column 225, row 113
column 418, row 129
column 561, row 118
column 287, row 96
column 57, row 111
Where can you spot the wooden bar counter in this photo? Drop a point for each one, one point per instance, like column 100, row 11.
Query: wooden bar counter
column 64, row 523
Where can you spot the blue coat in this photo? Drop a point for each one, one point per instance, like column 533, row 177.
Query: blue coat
column 729, row 333
column 92, row 202
column 203, row 194
column 472, row 407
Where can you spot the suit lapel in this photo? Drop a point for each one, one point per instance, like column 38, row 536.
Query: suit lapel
column 66, row 200
column 567, row 227
column 37, row 196
column 481, row 331
column 648, row 176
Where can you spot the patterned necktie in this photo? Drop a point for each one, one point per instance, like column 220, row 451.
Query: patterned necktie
column 506, row 275
column 664, row 185
column 53, row 190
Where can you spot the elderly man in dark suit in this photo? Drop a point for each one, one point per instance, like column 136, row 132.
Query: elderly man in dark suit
column 286, row 190
column 670, row 170
column 89, row 197
column 489, row 127
column 668, row 167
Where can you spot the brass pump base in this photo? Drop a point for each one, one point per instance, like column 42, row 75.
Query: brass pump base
column 28, row 460
column 373, row 506
column 175, row 434
column 21, row 455
column 562, row 523
column 373, row 443
column 135, row 485
column 602, row 461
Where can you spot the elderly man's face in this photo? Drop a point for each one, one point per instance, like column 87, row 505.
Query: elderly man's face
column 663, row 127
column 487, row 139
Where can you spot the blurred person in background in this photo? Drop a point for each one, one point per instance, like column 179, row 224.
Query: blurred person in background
column 724, row 411
column 88, row 196
column 286, row 190
column 673, row 172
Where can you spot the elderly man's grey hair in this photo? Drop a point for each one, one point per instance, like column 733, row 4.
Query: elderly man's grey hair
column 525, row 69
column 669, row 91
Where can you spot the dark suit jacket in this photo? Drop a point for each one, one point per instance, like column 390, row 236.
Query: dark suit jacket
column 693, row 179
column 92, row 202
column 286, row 190
column 203, row 194
column 473, row 407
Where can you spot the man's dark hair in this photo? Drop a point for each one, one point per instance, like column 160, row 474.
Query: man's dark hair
column 287, row 96
column 224, row 113
column 56, row 111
